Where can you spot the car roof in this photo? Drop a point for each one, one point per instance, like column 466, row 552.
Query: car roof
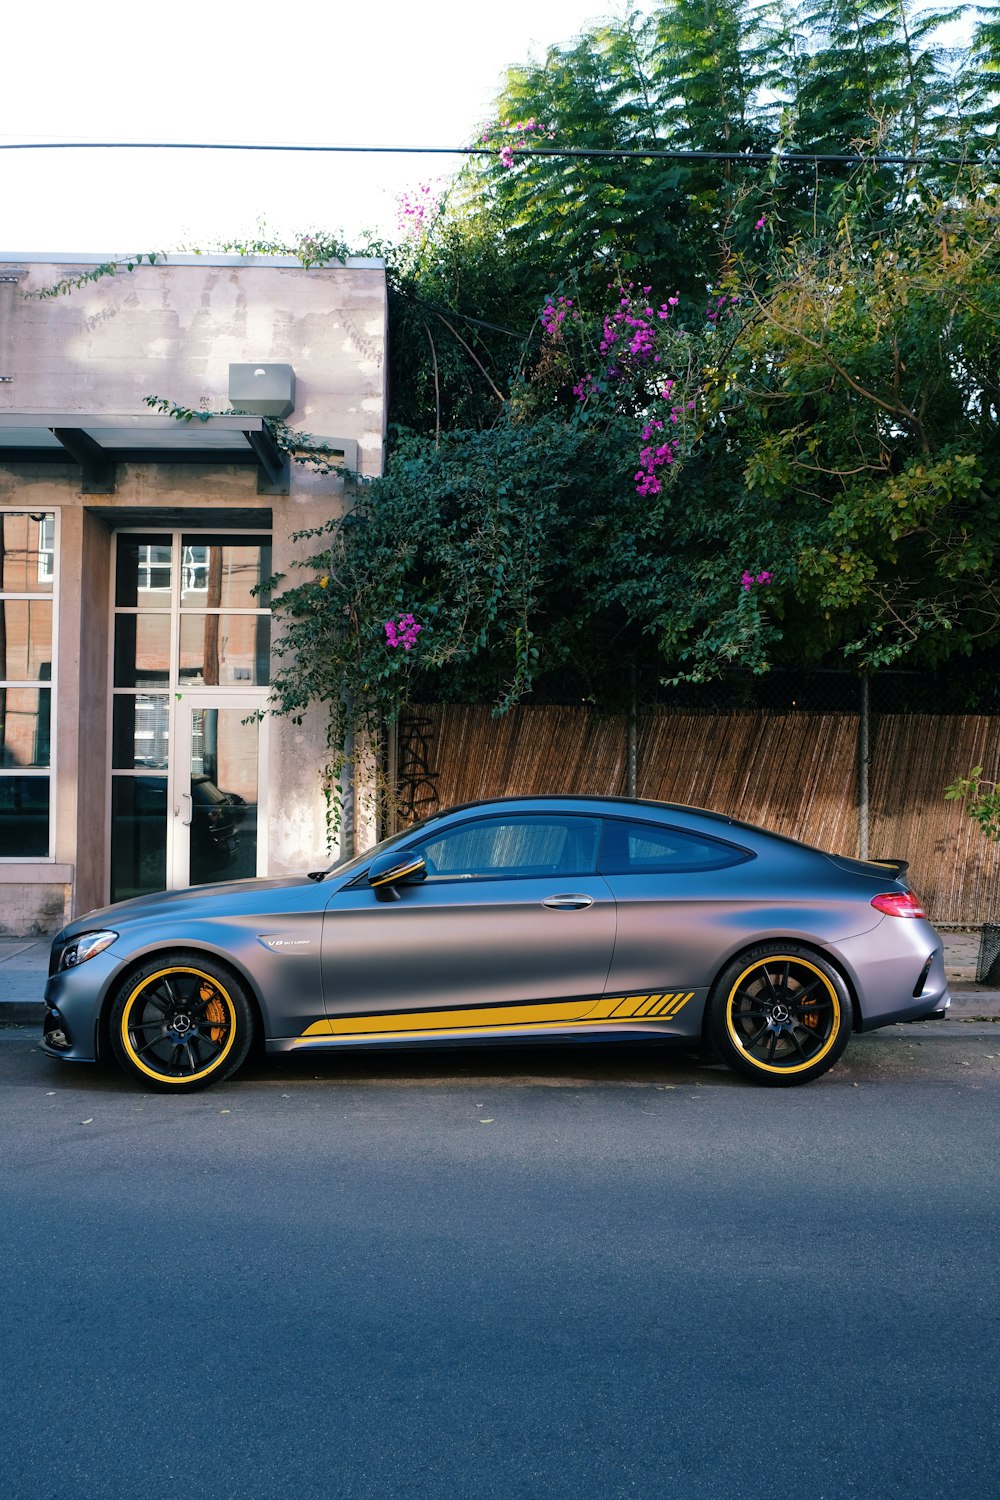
column 590, row 800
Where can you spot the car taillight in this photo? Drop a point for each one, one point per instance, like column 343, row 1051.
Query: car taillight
column 899, row 904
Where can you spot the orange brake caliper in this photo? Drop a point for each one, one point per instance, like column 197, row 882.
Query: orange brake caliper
column 214, row 1012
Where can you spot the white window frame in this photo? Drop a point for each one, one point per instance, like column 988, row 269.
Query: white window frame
column 48, row 597
column 180, row 698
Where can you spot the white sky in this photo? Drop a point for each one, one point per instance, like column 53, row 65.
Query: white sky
column 392, row 72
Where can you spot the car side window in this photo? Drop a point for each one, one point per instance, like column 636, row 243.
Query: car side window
column 629, row 848
column 521, row 845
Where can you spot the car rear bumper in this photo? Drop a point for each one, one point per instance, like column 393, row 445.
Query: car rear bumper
column 899, row 975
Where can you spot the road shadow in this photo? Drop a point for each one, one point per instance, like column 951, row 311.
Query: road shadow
column 530, row 1066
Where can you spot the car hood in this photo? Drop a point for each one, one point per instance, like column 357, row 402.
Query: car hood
column 172, row 903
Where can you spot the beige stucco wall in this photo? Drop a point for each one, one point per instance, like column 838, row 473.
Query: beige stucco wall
column 172, row 330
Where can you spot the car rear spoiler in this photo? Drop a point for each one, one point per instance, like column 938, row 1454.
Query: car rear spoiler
column 898, row 867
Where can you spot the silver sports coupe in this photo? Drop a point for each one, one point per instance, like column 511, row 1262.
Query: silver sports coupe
column 527, row 919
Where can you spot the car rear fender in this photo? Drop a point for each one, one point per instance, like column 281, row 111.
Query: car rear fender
column 833, row 959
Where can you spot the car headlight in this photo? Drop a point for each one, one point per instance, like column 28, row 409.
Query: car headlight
column 85, row 947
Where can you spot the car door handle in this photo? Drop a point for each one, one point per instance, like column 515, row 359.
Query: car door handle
column 567, row 903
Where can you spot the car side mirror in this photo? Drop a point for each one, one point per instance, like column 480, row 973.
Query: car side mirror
column 392, row 869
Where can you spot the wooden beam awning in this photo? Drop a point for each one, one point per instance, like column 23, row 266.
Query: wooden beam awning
column 99, row 442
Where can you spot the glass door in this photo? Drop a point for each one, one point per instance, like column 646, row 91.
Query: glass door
column 190, row 680
column 218, row 825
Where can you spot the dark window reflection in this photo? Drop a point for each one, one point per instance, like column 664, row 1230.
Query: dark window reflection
column 142, row 650
column 223, row 834
column 142, row 572
column 24, row 817
column 139, row 732
column 138, row 835
column 25, row 726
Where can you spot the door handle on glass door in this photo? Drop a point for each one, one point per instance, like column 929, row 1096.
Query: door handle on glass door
column 567, row 903
column 188, row 809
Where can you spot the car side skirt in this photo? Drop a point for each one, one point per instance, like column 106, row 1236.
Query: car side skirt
column 663, row 1014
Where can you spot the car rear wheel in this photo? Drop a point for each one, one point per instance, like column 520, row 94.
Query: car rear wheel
column 780, row 1014
column 180, row 1023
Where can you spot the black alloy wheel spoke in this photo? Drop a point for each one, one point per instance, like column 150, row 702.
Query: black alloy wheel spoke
column 785, row 981
column 152, row 998
column 157, row 1041
column 766, row 977
column 806, row 989
column 771, row 1047
column 159, row 1025
column 814, row 1007
column 751, row 1004
column 169, row 988
column 818, row 1042
column 798, row 1045
column 758, row 1035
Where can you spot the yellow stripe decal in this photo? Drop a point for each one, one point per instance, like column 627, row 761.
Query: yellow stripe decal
column 502, row 1017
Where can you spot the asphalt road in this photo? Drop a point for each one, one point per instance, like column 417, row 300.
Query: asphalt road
column 488, row 1275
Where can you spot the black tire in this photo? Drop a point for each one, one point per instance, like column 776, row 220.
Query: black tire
column 180, row 1023
column 780, row 1014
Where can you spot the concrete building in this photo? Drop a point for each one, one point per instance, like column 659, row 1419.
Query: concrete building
column 134, row 650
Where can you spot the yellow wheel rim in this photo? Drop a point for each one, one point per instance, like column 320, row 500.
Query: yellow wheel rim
column 178, row 1025
column 783, row 1014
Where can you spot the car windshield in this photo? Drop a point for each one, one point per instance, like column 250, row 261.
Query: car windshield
column 355, row 861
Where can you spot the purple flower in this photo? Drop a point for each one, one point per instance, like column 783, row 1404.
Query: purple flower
column 402, row 631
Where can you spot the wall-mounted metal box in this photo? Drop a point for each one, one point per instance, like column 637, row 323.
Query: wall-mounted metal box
column 264, row 390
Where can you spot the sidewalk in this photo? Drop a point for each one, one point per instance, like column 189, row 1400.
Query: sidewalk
column 24, row 965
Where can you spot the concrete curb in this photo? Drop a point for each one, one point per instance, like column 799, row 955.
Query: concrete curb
column 21, row 1013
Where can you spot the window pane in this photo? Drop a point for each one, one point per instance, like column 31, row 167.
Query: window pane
column 515, row 846
column 222, row 572
column 138, row 835
column 139, row 732
column 225, row 650
column 25, row 726
column 26, row 640
column 142, row 573
column 638, row 848
column 27, row 552
column 142, row 650
column 223, row 795
column 24, row 817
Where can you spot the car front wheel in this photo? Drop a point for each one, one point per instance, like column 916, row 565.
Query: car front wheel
column 780, row 1014
column 180, row 1023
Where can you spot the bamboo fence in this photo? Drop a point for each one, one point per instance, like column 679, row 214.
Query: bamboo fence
column 794, row 773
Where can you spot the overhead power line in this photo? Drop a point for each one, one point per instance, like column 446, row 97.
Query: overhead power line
column 594, row 153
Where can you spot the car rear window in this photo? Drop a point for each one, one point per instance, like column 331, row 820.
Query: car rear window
column 629, row 848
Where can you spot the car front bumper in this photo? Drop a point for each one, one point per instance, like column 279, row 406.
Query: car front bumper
column 73, row 1002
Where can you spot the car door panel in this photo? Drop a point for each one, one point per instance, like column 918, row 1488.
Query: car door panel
column 467, row 954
